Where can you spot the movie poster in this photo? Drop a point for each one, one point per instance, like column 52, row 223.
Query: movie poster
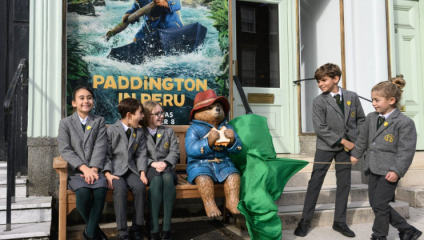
column 164, row 51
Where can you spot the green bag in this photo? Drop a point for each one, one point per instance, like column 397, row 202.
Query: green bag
column 263, row 176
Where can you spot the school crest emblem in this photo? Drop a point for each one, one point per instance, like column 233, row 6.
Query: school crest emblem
column 353, row 114
column 135, row 146
column 166, row 145
column 159, row 135
column 348, row 103
column 134, row 135
column 389, row 138
column 385, row 124
column 88, row 127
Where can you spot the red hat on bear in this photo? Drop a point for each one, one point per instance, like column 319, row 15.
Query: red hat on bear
column 206, row 98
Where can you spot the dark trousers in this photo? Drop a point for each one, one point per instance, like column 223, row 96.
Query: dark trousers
column 343, row 174
column 381, row 193
column 129, row 181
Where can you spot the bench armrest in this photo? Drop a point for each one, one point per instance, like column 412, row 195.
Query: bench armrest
column 59, row 163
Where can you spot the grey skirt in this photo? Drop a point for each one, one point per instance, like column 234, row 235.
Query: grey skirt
column 76, row 181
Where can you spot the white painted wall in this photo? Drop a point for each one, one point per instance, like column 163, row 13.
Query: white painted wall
column 45, row 68
column 319, row 44
column 366, row 46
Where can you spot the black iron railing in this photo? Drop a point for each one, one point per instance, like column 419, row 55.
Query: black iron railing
column 13, row 130
column 310, row 79
column 242, row 95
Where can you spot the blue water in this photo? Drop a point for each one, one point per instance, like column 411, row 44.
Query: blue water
column 89, row 31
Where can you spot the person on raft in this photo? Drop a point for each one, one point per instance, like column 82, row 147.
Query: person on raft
column 165, row 14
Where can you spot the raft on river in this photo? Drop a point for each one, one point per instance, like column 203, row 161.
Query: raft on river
column 162, row 42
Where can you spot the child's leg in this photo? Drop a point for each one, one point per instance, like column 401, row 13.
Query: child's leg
column 381, row 192
column 83, row 199
column 155, row 196
column 169, row 194
column 343, row 175
column 138, row 189
column 98, row 202
column 120, row 194
column 315, row 183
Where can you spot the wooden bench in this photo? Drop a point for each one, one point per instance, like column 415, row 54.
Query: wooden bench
column 67, row 199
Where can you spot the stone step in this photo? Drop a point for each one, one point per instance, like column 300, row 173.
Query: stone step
column 3, row 168
column 28, row 210
column 27, row 231
column 20, row 187
column 296, row 195
column 418, row 161
column 357, row 212
column 413, row 177
column 301, row 179
column 412, row 195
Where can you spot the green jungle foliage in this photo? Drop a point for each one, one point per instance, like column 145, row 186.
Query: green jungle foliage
column 77, row 70
column 219, row 10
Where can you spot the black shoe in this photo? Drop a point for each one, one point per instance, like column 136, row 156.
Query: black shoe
column 166, row 235
column 85, row 237
column 342, row 228
column 302, row 228
column 155, row 236
column 136, row 235
column 410, row 234
column 374, row 238
column 102, row 235
column 124, row 237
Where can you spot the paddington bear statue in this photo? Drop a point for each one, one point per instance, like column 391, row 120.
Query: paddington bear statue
column 209, row 141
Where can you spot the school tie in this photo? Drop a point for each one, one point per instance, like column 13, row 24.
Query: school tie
column 83, row 127
column 337, row 97
column 381, row 120
column 128, row 132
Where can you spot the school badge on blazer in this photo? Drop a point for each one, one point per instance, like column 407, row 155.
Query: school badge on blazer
column 385, row 124
column 348, row 103
column 135, row 146
column 353, row 114
column 166, row 145
column 88, row 127
column 389, row 138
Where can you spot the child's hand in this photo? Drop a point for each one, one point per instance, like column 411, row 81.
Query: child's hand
column 160, row 166
column 110, row 178
column 347, row 144
column 143, row 177
column 353, row 159
column 392, row 176
column 90, row 175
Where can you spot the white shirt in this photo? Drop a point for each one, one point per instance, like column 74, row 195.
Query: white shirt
column 83, row 121
column 387, row 114
column 152, row 131
column 340, row 93
column 125, row 127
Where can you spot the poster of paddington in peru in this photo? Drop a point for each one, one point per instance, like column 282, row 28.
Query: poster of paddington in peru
column 160, row 50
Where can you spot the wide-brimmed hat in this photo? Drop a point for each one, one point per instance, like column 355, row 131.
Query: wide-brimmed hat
column 206, row 98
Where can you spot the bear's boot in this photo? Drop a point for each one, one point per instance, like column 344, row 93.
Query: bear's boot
column 206, row 190
column 232, row 192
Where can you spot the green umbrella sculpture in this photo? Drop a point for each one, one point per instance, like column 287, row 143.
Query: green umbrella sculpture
column 263, row 176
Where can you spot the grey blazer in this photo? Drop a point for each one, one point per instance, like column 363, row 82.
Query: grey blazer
column 123, row 154
column 330, row 124
column 391, row 147
column 78, row 147
column 166, row 147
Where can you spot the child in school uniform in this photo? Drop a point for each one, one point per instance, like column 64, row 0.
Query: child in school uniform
column 390, row 138
column 125, row 167
column 337, row 116
column 162, row 154
column 83, row 143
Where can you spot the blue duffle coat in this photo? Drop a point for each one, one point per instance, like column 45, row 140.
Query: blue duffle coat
column 199, row 152
column 159, row 17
